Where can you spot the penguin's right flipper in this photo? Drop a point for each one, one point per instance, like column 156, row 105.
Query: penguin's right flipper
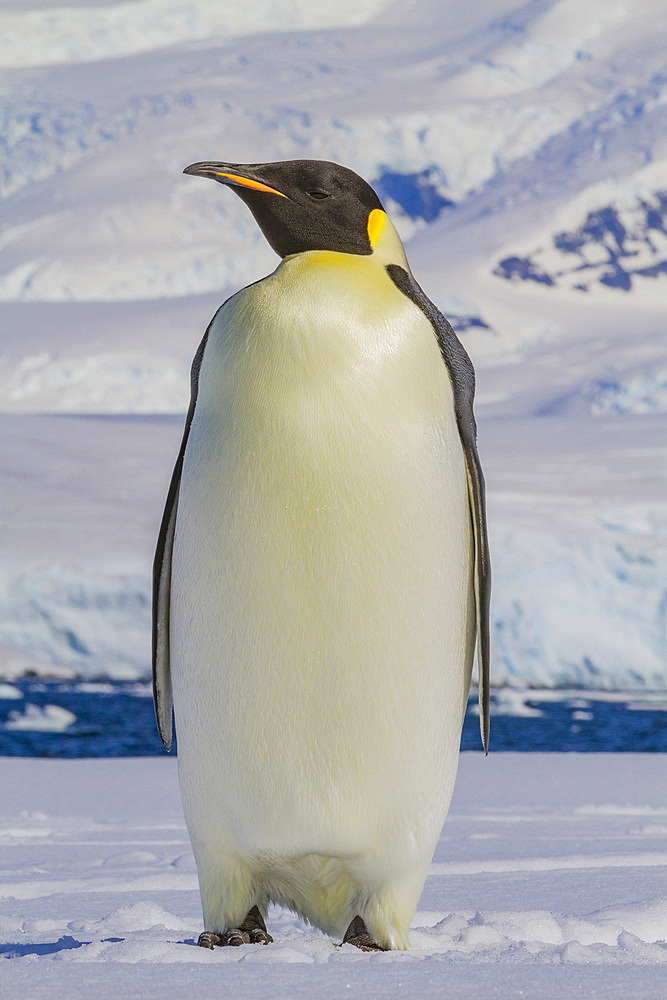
column 162, row 698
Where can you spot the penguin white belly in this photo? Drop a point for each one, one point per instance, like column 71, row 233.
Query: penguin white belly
column 322, row 609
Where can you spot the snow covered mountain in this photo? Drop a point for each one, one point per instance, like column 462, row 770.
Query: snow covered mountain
column 618, row 245
column 521, row 148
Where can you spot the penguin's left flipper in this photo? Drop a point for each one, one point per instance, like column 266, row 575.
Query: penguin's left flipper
column 462, row 379
column 357, row 934
column 251, row 931
column 162, row 698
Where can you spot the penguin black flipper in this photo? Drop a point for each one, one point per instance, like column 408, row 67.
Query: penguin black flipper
column 162, row 698
column 462, row 377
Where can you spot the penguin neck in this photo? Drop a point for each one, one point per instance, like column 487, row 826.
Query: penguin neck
column 385, row 243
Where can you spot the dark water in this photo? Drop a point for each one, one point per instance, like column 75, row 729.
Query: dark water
column 117, row 720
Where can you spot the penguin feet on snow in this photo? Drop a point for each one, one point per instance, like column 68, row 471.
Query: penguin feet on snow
column 251, row 931
column 357, row 934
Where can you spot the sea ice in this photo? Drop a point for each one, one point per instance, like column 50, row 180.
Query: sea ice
column 49, row 719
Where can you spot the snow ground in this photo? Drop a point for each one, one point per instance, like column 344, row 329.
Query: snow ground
column 550, row 880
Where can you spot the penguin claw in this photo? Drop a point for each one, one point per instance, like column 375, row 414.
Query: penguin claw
column 251, row 931
column 357, row 934
column 234, row 938
column 208, row 939
column 258, row 936
column 254, row 929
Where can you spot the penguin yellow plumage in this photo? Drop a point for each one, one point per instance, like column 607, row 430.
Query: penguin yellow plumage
column 322, row 573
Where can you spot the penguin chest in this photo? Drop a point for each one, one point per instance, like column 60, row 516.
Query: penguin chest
column 322, row 604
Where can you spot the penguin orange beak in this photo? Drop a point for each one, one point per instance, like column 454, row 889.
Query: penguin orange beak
column 232, row 174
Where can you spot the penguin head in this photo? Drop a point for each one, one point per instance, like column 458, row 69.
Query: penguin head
column 305, row 205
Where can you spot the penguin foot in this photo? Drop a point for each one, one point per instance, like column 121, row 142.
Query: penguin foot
column 209, row 939
column 357, row 934
column 255, row 928
column 251, row 931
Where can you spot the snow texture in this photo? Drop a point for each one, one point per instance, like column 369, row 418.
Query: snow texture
column 616, row 245
column 549, row 880
column 522, row 150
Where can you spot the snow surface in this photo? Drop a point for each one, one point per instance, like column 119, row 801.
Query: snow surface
column 549, row 880
column 509, row 130
column 66, row 34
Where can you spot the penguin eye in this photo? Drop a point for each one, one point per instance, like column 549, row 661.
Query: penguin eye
column 318, row 195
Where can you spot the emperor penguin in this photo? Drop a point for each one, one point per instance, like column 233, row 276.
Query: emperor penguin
column 322, row 573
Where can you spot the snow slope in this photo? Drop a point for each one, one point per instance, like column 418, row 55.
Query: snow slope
column 49, row 34
column 548, row 880
column 521, row 148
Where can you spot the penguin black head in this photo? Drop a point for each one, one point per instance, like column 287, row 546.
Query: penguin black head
column 303, row 204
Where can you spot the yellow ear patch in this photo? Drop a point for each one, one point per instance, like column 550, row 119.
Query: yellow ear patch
column 246, row 182
column 375, row 225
